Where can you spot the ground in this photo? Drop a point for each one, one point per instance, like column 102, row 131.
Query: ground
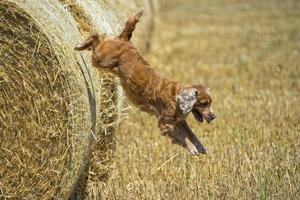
column 248, row 53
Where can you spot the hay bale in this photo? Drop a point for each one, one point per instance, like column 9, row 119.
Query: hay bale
column 58, row 118
column 47, row 111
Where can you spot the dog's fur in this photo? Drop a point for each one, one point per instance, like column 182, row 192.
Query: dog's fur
column 169, row 101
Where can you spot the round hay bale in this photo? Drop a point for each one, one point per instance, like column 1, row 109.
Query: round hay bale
column 47, row 108
column 53, row 144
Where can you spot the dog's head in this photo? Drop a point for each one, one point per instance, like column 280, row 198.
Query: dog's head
column 107, row 51
column 196, row 99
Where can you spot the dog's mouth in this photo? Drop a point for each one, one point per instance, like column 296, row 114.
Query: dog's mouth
column 197, row 115
column 200, row 117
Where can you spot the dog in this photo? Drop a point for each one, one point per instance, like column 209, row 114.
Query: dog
column 169, row 101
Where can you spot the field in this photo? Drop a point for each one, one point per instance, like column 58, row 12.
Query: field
column 248, row 53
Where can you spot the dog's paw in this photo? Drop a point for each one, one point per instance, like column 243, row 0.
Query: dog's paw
column 170, row 127
column 166, row 128
column 197, row 150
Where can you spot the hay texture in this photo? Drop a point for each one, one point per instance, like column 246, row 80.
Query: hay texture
column 46, row 114
column 58, row 114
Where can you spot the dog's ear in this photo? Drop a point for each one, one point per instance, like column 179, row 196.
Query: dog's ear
column 130, row 26
column 91, row 42
column 186, row 99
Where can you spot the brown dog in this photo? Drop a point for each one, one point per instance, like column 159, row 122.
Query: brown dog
column 169, row 101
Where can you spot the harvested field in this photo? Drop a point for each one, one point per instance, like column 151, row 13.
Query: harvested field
column 248, row 53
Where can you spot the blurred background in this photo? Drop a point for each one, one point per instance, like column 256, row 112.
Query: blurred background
column 248, row 53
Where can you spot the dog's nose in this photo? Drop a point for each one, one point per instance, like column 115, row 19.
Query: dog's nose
column 213, row 116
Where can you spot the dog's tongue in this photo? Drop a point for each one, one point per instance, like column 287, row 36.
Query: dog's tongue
column 197, row 115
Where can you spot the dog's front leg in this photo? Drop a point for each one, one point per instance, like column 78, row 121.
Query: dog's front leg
column 166, row 124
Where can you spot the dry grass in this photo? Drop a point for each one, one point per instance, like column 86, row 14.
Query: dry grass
column 248, row 52
column 78, row 13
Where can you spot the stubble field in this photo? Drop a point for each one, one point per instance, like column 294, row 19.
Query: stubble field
column 248, row 53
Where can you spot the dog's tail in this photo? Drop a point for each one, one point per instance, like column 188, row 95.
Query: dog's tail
column 130, row 26
column 90, row 43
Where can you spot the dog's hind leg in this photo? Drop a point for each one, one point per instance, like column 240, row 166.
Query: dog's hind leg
column 91, row 42
column 130, row 26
